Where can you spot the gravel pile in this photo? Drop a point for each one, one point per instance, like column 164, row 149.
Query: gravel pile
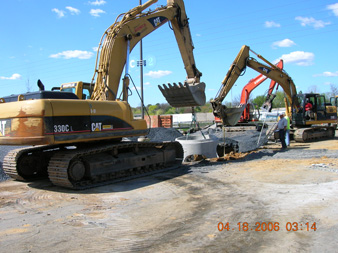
column 163, row 134
column 244, row 141
column 159, row 134
column 293, row 154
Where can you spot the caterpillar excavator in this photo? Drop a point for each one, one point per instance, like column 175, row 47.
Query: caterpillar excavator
column 334, row 102
column 74, row 132
column 305, row 126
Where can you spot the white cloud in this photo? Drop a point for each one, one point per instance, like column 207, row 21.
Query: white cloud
column 73, row 11
column 304, row 21
column 98, row 2
column 284, row 43
column 198, row 35
column 13, row 77
column 73, row 54
column 95, row 49
column 137, row 87
column 328, row 74
column 333, row 8
column 96, row 12
column 59, row 13
column 158, row 74
column 300, row 58
column 147, row 83
column 270, row 24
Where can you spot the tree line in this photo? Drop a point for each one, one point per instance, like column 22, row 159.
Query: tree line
column 278, row 102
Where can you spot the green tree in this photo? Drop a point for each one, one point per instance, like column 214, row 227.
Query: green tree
column 259, row 100
column 159, row 112
column 278, row 102
column 171, row 110
column 152, row 109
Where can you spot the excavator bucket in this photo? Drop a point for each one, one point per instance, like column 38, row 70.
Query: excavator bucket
column 184, row 95
column 231, row 116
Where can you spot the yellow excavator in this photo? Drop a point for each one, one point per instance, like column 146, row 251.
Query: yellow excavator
column 77, row 130
column 306, row 126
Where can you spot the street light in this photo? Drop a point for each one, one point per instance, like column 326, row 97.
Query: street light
column 141, row 75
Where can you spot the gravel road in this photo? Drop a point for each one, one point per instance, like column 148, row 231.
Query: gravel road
column 181, row 210
column 295, row 192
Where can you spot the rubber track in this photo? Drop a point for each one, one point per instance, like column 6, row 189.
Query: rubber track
column 311, row 134
column 10, row 161
column 58, row 166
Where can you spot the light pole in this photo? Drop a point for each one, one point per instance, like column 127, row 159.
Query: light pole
column 141, row 75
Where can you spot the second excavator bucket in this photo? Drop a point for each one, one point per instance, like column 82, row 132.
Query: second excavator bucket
column 184, row 95
column 230, row 116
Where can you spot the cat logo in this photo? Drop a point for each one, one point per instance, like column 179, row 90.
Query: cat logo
column 266, row 70
column 2, row 127
column 96, row 127
column 157, row 21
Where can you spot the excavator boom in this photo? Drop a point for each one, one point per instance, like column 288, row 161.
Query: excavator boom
column 243, row 60
column 79, row 142
column 253, row 84
column 120, row 39
column 306, row 126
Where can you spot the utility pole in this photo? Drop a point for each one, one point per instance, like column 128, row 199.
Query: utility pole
column 141, row 75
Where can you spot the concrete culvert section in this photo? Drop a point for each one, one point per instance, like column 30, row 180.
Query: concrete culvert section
column 204, row 145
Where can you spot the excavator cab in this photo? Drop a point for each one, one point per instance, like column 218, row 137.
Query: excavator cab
column 81, row 89
column 309, row 109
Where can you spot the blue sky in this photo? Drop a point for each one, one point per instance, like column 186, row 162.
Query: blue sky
column 55, row 41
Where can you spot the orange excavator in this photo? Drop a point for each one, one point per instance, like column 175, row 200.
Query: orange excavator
column 248, row 88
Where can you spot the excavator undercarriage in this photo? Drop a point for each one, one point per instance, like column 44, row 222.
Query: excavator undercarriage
column 82, row 166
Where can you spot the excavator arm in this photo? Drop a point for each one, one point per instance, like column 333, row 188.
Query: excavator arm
column 231, row 115
column 253, row 84
column 120, row 39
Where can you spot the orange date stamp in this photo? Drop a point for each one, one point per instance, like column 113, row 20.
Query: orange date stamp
column 267, row 226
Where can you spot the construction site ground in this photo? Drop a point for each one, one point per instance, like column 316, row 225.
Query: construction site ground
column 182, row 210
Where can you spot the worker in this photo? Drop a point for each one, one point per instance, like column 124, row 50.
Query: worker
column 287, row 133
column 281, row 126
column 308, row 109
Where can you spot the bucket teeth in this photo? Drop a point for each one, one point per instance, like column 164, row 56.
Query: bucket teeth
column 184, row 95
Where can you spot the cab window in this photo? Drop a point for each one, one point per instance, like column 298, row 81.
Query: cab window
column 72, row 90
column 86, row 93
column 320, row 103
